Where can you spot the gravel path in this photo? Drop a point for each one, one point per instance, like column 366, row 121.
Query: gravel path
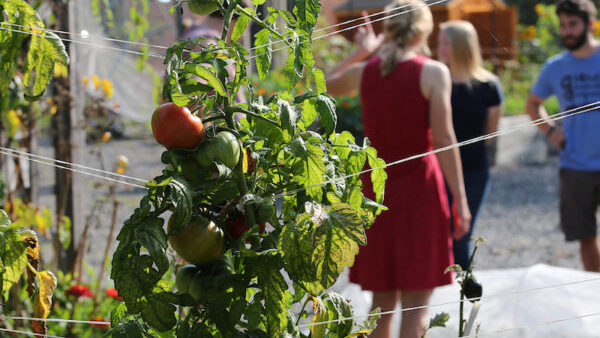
column 519, row 220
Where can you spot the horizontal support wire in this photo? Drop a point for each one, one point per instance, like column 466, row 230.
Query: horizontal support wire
column 506, row 294
column 559, row 116
column 29, row 333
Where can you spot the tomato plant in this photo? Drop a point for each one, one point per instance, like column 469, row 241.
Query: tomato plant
column 321, row 215
column 176, row 127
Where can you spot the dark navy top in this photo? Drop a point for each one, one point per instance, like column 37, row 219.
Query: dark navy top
column 470, row 103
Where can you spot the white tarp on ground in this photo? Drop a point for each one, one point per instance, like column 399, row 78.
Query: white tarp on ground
column 518, row 310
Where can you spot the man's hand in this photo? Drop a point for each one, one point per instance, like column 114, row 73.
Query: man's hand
column 557, row 137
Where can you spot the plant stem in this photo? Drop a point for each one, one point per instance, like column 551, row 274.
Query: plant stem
column 460, row 313
column 111, row 233
column 238, row 172
column 303, row 307
column 263, row 24
column 253, row 114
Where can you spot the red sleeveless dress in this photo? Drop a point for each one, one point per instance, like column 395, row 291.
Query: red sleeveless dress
column 409, row 246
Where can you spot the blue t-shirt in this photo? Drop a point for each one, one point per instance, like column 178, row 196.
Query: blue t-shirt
column 575, row 82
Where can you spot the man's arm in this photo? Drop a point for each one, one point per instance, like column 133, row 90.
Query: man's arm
column 536, row 111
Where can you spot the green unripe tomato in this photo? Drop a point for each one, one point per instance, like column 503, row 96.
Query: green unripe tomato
column 203, row 7
column 200, row 242
column 224, row 148
column 184, row 277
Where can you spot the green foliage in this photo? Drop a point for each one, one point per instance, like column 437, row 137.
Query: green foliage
column 13, row 256
column 43, row 51
column 313, row 236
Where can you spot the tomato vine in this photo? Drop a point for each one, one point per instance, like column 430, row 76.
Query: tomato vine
column 287, row 159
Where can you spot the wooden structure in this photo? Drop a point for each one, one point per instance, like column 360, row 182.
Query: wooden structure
column 495, row 22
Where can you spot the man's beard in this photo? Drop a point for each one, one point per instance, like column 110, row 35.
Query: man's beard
column 580, row 40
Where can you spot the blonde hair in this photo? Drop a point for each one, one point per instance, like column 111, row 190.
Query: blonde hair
column 465, row 53
column 414, row 22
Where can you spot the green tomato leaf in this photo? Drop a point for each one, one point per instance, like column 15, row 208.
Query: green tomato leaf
column 131, row 329
column 263, row 53
column 319, row 80
column 152, row 236
column 314, row 172
column 288, row 116
column 336, row 242
column 296, row 245
column 117, row 314
column 181, row 198
column 240, row 26
column 44, row 52
column 136, row 274
column 13, row 254
column 339, row 308
column 326, row 109
column 378, row 176
column 206, row 74
column 309, row 113
column 274, row 290
column 306, row 12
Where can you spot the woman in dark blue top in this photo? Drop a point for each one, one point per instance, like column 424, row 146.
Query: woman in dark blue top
column 476, row 110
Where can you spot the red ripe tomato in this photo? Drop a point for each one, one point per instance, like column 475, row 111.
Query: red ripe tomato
column 238, row 226
column 176, row 127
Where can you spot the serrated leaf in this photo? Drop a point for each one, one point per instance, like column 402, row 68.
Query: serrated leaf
column 240, row 26
column 336, row 243
column 288, row 116
column 131, row 329
column 319, row 77
column 309, row 112
column 152, row 237
column 117, row 314
column 378, row 176
column 277, row 299
column 314, row 171
column 13, row 255
column 439, row 320
column 296, row 245
column 211, row 79
column 326, row 109
column 307, row 12
column 263, row 53
column 339, row 308
column 180, row 196
column 44, row 52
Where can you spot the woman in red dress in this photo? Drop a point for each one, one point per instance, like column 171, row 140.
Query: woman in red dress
column 405, row 99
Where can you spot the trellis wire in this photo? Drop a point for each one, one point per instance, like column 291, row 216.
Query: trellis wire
column 510, row 293
column 559, row 116
column 29, row 333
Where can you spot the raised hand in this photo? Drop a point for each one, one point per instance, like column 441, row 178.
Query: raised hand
column 365, row 38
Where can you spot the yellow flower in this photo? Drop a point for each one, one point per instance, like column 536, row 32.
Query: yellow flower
column 122, row 161
column 539, row 9
column 120, row 170
column 96, row 81
column 597, row 28
column 36, row 30
column 528, row 33
column 85, row 81
column 14, row 122
column 107, row 88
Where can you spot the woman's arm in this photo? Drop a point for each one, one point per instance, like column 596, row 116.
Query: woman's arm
column 346, row 76
column 493, row 119
column 436, row 87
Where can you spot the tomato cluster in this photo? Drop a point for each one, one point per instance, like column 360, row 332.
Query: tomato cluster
column 200, row 281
